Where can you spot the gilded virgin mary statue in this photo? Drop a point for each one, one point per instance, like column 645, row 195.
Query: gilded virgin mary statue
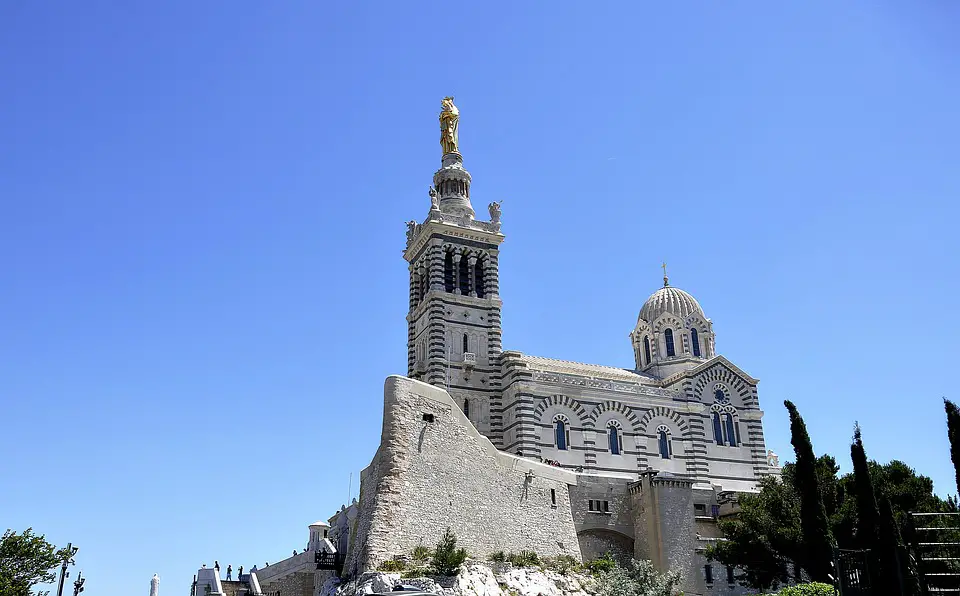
column 449, row 126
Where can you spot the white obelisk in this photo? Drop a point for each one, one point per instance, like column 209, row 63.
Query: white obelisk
column 155, row 585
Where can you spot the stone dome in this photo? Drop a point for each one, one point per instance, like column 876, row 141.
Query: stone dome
column 669, row 300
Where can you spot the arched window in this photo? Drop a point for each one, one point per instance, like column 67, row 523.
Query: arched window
column 717, row 429
column 466, row 407
column 663, row 440
column 466, row 343
column 560, row 434
column 733, row 433
column 478, row 278
column 646, row 348
column 448, row 272
column 668, row 339
column 614, row 438
column 695, row 340
column 465, row 275
column 720, row 396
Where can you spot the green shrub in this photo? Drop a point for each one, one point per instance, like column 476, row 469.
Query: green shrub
column 601, row 565
column 524, row 558
column 422, row 553
column 392, row 566
column 811, row 589
column 497, row 557
column 415, row 572
column 562, row 564
column 637, row 578
column 447, row 558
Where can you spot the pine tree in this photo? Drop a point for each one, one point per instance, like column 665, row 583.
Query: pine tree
column 953, row 433
column 813, row 517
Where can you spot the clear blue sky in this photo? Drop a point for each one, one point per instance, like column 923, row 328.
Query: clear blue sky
column 201, row 282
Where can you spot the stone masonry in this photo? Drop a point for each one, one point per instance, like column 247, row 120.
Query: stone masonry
column 435, row 471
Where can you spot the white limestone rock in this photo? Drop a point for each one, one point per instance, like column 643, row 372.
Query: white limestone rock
column 424, row 583
column 371, row 583
column 477, row 580
column 572, row 584
column 330, row 586
column 474, row 579
column 529, row 582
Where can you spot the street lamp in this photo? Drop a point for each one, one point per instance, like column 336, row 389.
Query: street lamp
column 72, row 550
column 78, row 585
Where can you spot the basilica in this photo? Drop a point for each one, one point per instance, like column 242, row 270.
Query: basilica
column 516, row 452
column 684, row 409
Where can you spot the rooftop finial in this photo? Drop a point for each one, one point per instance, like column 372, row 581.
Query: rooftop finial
column 666, row 280
column 449, row 126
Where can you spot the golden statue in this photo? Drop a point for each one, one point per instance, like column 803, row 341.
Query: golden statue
column 449, row 126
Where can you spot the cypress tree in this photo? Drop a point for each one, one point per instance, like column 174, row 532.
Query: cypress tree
column 953, row 433
column 899, row 573
column 816, row 538
column 868, row 517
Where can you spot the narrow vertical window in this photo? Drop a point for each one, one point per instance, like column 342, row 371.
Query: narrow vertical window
column 717, row 429
column 695, row 340
column 466, row 408
column 448, row 272
column 729, row 574
column 731, row 431
column 668, row 339
column 614, row 440
column 465, row 275
column 646, row 349
column 553, row 497
column 664, row 445
column 606, row 506
column 478, row 279
column 561, row 435
column 736, row 426
column 466, row 343
column 708, row 573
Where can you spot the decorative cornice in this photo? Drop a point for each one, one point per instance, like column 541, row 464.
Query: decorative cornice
column 603, row 384
column 439, row 223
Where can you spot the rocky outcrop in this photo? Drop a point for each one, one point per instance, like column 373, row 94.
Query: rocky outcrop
column 474, row 579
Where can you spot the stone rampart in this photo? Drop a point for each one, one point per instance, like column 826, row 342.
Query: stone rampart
column 434, row 471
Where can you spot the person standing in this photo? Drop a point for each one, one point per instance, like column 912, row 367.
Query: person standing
column 229, row 572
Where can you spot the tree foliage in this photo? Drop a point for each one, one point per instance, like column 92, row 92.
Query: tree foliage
column 815, row 535
column 447, row 558
column 636, row 578
column 953, row 433
column 27, row 560
column 765, row 535
column 868, row 526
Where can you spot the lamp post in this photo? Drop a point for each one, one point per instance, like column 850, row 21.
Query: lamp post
column 71, row 550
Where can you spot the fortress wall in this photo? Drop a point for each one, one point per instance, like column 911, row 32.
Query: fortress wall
column 428, row 476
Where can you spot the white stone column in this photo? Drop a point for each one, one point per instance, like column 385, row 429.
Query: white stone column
column 472, row 266
column 456, row 273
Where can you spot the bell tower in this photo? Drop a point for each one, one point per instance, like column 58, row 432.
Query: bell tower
column 453, row 323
